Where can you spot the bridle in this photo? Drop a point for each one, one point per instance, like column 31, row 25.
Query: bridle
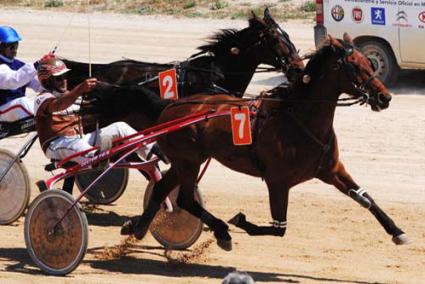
column 360, row 88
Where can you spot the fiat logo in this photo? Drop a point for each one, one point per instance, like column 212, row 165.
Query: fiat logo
column 422, row 17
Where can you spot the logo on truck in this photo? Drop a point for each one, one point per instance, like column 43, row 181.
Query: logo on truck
column 357, row 15
column 378, row 16
column 422, row 17
column 337, row 13
column 402, row 20
column 401, row 15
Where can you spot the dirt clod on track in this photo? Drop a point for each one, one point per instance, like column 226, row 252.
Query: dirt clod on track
column 196, row 254
column 117, row 251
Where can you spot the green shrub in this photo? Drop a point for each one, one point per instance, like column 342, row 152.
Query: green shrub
column 53, row 3
column 218, row 4
column 309, row 6
column 189, row 4
column 145, row 10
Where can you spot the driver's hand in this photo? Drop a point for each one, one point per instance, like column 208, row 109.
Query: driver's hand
column 89, row 84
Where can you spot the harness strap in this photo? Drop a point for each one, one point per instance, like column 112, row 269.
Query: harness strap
column 255, row 109
column 325, row 147
column 181, row 74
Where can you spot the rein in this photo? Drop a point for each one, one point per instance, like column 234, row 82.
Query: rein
column 179, row 66
column 353, row 101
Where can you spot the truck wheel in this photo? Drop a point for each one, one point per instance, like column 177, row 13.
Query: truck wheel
column 384, row 63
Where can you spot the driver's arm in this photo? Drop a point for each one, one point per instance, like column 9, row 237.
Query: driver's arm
column 65, row 101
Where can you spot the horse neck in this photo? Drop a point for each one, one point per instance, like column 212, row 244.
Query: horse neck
column 318, row 101
column 238, row 72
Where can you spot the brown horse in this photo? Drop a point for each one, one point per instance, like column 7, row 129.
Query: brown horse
column 294, row 141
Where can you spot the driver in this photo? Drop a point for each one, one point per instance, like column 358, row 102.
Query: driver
column 57, row 120
column 15, row 77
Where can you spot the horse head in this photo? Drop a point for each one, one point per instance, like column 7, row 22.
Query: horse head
column 278, row 50
column 357, row 77
column 292, row 63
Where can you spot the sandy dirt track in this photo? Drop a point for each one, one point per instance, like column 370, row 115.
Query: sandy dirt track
column 330, row 238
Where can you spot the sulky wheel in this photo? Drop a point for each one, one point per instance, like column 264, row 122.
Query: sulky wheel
column 59, row 250
column 108, row 189
column 15, row 188
column 176, row 230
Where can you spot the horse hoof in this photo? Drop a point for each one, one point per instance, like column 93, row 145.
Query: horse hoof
column 140, row 232
column 237, row 219
column 225, row 244
column 127, row 228
column 402, row 239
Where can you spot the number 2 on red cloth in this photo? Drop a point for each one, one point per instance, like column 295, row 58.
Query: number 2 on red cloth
column 168, row 85
column 241, row 125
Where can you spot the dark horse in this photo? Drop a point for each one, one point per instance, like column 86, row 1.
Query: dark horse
column 294, row 141
column 227, row 63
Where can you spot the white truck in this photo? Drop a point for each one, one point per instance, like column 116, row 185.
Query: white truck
column 390, row 32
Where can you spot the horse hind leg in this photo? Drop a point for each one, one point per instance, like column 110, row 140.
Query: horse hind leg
column 186, row 201
column 343, row 181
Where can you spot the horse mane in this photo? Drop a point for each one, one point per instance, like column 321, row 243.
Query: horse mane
column 222, row 40
column 316, row 62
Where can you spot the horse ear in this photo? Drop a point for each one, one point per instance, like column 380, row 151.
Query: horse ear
column 348, row 39
column 268, row 17
column 334, row 42
column 267, row 13
column 253, row 20
column 235, row 50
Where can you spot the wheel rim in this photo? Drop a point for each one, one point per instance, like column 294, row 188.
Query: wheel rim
column 14, row 189
column 178, row 229
column 108, row 189
column 56, row 251
column 379, row 63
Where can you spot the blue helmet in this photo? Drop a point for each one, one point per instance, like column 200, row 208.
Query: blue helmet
column 8, row 35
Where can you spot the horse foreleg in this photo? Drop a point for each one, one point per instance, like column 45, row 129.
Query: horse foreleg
column 344, row 182
column 186, row 200
column 278, row 199
column 139, row 225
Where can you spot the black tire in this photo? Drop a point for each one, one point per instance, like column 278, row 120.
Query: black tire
column 384, row 62
column 179, row 229
column 60, row 251
column 108, row 189
column 15, row 188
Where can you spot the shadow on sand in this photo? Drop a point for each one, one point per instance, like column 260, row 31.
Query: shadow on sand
column 132, row 265
column 129, row 265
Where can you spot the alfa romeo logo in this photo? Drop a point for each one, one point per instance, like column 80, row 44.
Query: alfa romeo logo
column 337, row 13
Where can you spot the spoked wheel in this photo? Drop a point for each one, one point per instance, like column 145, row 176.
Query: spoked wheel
column 108, row 189
column 56, row 250
column 15, row 188
column 178, row 229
